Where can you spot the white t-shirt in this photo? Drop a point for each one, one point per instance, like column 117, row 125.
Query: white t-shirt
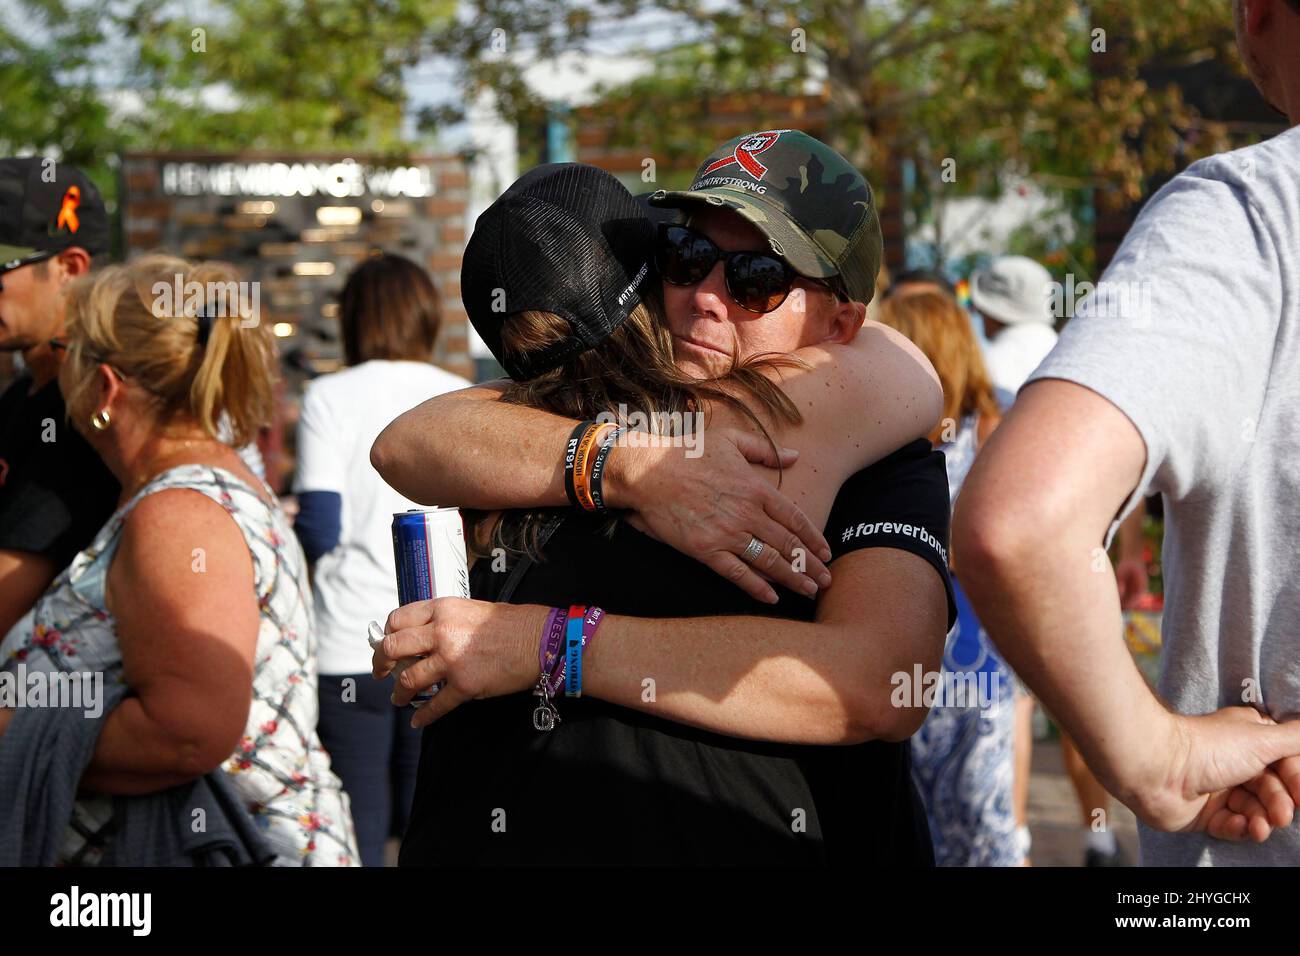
column 342, row 415
column 1205, row 360
column 1016, row 351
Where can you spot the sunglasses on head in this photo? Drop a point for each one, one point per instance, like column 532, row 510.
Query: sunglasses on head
column 757, row 281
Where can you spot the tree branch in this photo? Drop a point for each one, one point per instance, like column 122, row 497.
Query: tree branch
column 899, row 26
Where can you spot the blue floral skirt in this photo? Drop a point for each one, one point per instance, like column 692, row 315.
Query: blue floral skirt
column 963, row 755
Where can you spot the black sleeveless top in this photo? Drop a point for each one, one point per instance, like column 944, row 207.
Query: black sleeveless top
column 612, row 785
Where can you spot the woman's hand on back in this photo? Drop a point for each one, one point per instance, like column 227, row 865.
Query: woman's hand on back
column 711, row 505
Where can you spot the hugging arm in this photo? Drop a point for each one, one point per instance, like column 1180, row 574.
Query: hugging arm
column 859, row 400
column 821, row 682
column 471, row 450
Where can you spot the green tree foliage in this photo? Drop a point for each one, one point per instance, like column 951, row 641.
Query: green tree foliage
column 303, row 74
column 49, row 99
column 89, row 79
column 990, row 90
column 1000, row 90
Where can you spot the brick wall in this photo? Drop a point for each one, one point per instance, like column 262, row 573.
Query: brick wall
column 281, row 242
column 263, row 213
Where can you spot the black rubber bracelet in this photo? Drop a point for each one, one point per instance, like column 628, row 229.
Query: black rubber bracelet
column 570, row 453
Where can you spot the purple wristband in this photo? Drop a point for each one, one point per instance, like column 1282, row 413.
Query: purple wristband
column 592, row 621
column 552, row 639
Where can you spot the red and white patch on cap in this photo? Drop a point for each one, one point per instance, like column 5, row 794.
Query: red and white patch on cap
column 745, row 151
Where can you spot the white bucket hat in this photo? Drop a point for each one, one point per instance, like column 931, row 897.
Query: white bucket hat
column 1014, row 290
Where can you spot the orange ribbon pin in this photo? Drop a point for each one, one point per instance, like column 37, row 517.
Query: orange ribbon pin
column 68, row 211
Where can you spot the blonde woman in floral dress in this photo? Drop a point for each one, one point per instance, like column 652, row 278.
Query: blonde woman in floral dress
column 195, row 593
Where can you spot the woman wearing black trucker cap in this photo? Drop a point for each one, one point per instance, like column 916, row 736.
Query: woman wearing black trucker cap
column 645, row 781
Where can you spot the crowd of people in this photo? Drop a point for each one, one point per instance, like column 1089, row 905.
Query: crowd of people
column 729, row 637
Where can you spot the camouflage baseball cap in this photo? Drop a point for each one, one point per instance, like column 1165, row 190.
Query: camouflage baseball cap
column 815, row 209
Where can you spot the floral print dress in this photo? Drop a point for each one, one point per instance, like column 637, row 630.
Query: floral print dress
column 278, row 767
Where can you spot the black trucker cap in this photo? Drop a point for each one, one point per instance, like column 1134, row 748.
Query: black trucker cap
column 566, row 238
column 46, row 207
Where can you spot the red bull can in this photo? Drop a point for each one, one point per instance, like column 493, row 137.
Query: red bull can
column 429, row 554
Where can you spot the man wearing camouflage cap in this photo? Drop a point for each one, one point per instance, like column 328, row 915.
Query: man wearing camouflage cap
column 784, row 192
column 780, row 251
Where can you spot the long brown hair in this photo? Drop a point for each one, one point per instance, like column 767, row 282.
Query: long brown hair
column 632, row 368
column 389, row 309
column 942, row 330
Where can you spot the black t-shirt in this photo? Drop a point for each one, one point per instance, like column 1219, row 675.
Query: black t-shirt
column 614, row 785
column 55, row 491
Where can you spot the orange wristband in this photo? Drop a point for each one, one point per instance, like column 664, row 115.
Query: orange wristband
column 583, row 460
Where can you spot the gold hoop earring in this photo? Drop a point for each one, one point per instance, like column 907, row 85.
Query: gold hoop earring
column 100, row 420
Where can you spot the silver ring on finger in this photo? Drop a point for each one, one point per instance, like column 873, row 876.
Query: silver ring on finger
column 752, row 550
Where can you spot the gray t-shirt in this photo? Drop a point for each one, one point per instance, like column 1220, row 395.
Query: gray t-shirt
column 1194, row 334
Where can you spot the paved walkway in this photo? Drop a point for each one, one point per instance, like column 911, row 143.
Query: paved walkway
column 1054, row 818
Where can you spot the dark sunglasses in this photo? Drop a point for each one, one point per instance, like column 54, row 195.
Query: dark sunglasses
column 29, row 261
column 757, row 281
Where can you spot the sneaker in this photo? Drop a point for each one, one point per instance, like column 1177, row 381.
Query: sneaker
column 1095, row 857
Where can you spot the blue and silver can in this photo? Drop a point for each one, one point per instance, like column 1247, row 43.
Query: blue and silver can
column 429, row 554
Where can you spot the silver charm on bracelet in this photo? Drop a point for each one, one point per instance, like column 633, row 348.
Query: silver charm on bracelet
column 546, row 716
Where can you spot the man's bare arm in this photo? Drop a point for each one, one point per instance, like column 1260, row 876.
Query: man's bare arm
column 1027, row 534
column 1078, row 457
